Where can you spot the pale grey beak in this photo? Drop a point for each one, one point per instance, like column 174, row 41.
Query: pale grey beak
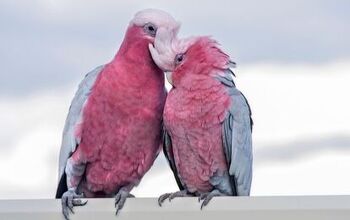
column 157, row 58
column 162, row 50
column 169, row 77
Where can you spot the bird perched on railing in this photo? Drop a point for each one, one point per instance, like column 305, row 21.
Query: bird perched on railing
column 208, row 125
column 113, row 130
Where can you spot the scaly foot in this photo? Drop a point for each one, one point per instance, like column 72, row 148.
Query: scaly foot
column 120, row 199
column 69, row 200
column 171, row 196
column 206, row 197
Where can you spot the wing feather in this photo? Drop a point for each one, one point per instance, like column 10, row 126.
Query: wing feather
column 74, row 118
column 168, row 152
column 237, row 137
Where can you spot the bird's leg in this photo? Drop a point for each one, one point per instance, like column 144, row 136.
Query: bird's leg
column 206, row 197
column 171, row 196
column 121, row 197
column 74, row 171
column 69, row 200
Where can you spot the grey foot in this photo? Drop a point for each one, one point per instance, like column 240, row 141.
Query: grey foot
column 69, row 200
column 206, row 197
column 120, row 199
column 171, row 196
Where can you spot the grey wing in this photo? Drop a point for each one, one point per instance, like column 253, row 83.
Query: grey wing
column 168, row 152
column 237, row 138
column 69, row 141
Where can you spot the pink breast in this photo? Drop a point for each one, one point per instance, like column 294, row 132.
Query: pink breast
column 195, row 126
column 198, row 156
column 120, row 139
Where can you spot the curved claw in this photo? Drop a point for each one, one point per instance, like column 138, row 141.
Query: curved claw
column 131, row 195
column 162, row 198
column 69, row 200
column 202, row 196
column 171, row 196
column 206, row 197
column 79, row 202
column 120, row 199
column 206, row 201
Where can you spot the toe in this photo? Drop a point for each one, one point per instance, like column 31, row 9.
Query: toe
column 65, row 213
column 65, row 209
column 206, row 200
column 131, row 195
column 204, row 203
column 70, row 204
column 79, row 202
column 117, row 199
column 120, row 203
column 162, row 198
column 120, row 199
column 182, row 193
column 171, row 196
column 174, row 195
column 202, row 196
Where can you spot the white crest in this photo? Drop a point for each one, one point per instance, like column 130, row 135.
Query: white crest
column 166, row 47
column 155, row 16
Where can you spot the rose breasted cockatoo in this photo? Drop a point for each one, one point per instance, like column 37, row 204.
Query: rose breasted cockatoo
column 207, row 120
column 113, row 130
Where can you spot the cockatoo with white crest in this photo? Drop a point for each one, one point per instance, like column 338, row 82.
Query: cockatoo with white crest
column 113, row 130
column 207, row 120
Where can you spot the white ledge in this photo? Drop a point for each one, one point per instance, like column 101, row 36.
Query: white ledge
column 235, row 208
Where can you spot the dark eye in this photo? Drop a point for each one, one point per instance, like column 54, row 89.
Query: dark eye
column 150, row 29
column 179, row 58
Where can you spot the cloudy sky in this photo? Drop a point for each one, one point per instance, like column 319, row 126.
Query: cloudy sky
column 293, row 65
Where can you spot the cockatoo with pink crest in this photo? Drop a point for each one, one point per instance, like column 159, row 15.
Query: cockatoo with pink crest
column 207, row 120
column 113, row 131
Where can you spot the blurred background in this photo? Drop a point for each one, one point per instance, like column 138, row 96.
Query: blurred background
column 293, row 61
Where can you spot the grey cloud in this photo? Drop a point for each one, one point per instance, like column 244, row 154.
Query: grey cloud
column 44, row 44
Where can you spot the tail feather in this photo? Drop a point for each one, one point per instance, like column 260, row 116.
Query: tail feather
column 62, row 186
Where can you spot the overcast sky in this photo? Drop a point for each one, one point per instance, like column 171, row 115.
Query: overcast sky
column 45, row 43
column 293, row 65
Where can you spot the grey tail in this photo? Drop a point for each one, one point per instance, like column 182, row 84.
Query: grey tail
column 233, row 186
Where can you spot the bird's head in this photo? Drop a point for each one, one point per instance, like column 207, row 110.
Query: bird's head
column 145, row 27
column 194, row 55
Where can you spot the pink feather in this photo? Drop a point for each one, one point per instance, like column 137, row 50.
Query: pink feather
column 121, row 129
column 194, row 112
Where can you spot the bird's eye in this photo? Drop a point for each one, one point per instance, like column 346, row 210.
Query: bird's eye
column 179, row 58
column 150, row 29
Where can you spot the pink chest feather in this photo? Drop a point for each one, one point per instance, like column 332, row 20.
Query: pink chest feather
column 121, row 131
column 193, row 117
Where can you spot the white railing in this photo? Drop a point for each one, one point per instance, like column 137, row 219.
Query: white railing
column 233, row 208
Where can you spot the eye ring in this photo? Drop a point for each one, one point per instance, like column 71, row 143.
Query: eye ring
column 150, row 29
column 179, row 58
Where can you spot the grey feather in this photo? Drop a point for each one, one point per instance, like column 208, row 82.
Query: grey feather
column 237, row 138
column 226, row 79
column 232, row 64
column 69, row 141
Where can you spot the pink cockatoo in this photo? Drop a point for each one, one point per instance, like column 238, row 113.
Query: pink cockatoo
column 113, row 130
column 207, row 120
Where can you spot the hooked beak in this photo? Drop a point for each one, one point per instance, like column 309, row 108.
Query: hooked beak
column 157, row 58
column 169, row 77
column 163, row 51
